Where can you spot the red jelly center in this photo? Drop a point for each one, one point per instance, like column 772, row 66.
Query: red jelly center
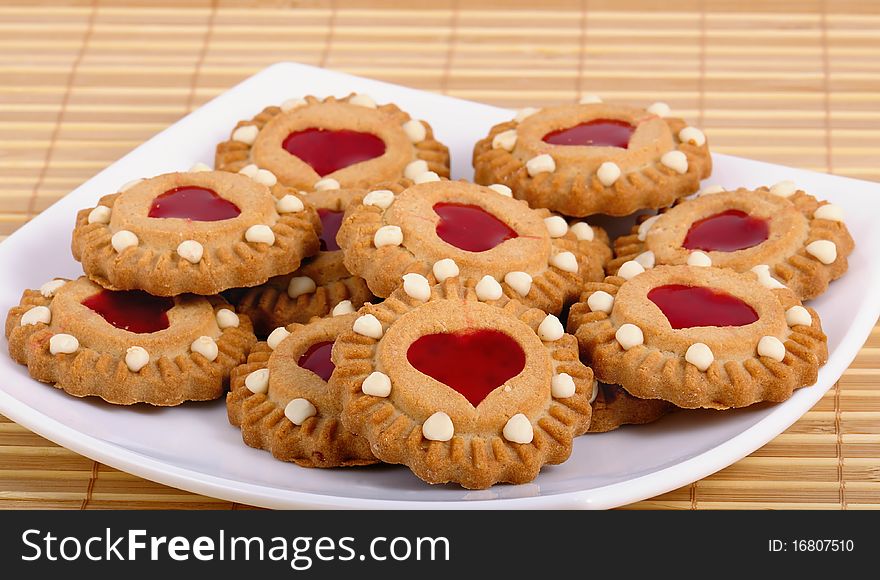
column 330, row 222
column 473, row 363
column 688, row 306
column 131, row 310
column 327, row 151
column 317, row 359
column 470, row 227
column 193, row 203
column 597, row 133
column 727, row 231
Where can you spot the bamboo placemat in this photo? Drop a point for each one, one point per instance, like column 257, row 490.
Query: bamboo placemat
column 83, row 82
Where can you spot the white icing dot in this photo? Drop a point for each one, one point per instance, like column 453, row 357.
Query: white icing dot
column 438, row 427
column 798, row 316
column 289, row 204
column 518, row 429
column 416, row 286
column 300, row 285
column 369, row 326
column 595, row 392
column 136, row 358
column 246, row 134
column 556, row 226
column 505, row 140
column 226, row 318
column 388, row 236
column 426, row 177
column 276, row 337
column 415, row 130
column 590, row 99
column 502, row 189
column 583, row 232
column 521, row 282
column 205, row 346
column 326, row 184
column 488, row 288
column 646, row 259
column 291, row 104
column 562, row 386
column 415, row 168
column 700, row 259
column 660, row 109
column 525, row 113
column 128, row 185
column 257, row 382
column 823, row 250
column 444, row 269
column 693, row 136
column 298, row 410
column 784, row 188
column 191, row 251
column 100, row 215
column 123, row 239
column 629, row 270
column 36, row 315
column 699, row 355
column 771, row 347
column 629, row 336
column 550, row 329
column 646, row 226
column 608, row 173
column 265, row 177
column 49, row 289
column 676, row 161
column 710, row 189
column 381, row 198
column 200, row 168
column 601, row 301
column 540, row 164
column 362, row 100
column 565, row 261
column 343, row 308
column 376, row 384
column 63, row 344
column 249, row 170
column 829, row 212
column 260, row 234
column 764, row 277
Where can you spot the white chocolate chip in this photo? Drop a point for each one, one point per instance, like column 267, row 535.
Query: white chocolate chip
column 265, row 177
column 784, row 188
column 249, row 170
column 521, row 282
column 426, row 177
column 376, row 384
column 518, row 430
column 798, row 316
column 660, row 109
column 711, row 189
column 646, row 226
column 246, row 134
column 298, row 410
column 191, row 251
column 276, row 337
column 444, row 269
column 136, row 358
column 524, row 114
column 416, row 286
column 590, row 99
column 381, row 198
column 540, row 164
column 771, row 347
column 123, row 239
column 362, row 100
column 693, row 136
column 415, row 168
column 438, row 427
column 388, row 236
column 823, row 250
column 257, row 382
column 200, row 168
column 369, row 326
column 583, row 232
column 646, row 259
column 291, row 104
column 326, row 184
column 100, row 215
column 343, row 308
column 629, row 270
column 260, row 234
column 36, row 315
column 562, row 386
column 565, row 261
column 415, row 130
column 629, row 336
column 700, row 259
column 550, row 329
column 505, row 140
column 63, row 344
column 289, row 204
column 226, row 318
column 128, row 185
column 488, row 288
column 764, row 277
column 49, row 289
column 676, row 161
column 601, row 301
column 595, row 392
column 608, row 173
column 205, row 346
column 556, row 226
column 501, row 189
column 300, row 285
column 829, row 212
column 699, row 355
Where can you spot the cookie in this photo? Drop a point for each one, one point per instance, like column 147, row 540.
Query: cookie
column 594, row 157
column 349, row 143
column 200, row 232
column 698, row 336
column 613, row 407
column 283, row 403
column 441, row 229
column 127, row 347
column 781, row 233
column 321, row 284
column 461, row 389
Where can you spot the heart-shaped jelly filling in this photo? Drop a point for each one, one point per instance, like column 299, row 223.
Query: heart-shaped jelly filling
column 727, row 231
column 596, row 133
column 131, row 310
column 317, row 359
column 470, row 227
column 330, row 222
column 327, row 151
column 473, row 363
column 193, row 203
column 688, row 306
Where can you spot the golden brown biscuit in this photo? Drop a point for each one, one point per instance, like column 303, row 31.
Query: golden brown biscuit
column 613, row 407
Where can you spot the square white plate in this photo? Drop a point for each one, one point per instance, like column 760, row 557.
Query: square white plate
column 193, row 446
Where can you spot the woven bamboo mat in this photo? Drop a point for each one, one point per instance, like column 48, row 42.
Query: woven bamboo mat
column 83, row 82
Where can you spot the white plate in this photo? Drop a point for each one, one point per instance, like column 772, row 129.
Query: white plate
column 193, row 446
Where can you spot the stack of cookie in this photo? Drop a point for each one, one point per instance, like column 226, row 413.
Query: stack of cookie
column 415, row 320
